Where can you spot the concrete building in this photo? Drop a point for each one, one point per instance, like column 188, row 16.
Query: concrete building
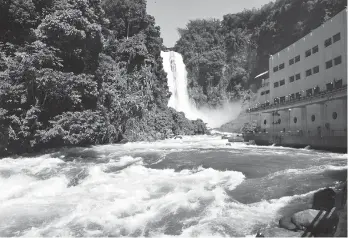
column 307, row 88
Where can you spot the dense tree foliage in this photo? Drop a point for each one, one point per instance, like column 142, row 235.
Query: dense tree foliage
column 222, row 57
column 82, row 72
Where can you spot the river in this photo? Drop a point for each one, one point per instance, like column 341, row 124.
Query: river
column 195, row 186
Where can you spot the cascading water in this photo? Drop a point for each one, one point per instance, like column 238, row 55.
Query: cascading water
column 177, row 81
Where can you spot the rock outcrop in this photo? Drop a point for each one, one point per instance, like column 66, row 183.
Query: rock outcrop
column 330, row 224
column 304, row 219
column 285, row 222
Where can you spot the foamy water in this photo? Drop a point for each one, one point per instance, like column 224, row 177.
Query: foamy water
column 195, row 186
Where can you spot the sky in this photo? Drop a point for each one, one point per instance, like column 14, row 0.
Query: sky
column 173, row 14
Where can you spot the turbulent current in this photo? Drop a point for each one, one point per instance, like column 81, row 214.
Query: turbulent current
column 177, row 81
column 195, row 186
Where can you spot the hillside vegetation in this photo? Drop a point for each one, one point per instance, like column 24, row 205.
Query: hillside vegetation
column 82, row 72
column 223, row 57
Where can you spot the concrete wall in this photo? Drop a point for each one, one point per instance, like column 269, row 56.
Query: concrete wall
column 314, row 112
column 338, row 24
column 266, row 117
column 321, row 113
column 299, row 123
column 339, row 107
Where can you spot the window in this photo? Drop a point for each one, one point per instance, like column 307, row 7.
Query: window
column 334, row 115
column 338, row 83
column 315, row 49
column 292, row 96
column 282, row 99
column 308, row 53
column 297, row 58
column 265, row 122
column 328, row 42
column 262, row 93
column 316, row 90
column 279, row 121
column 329, row 86
column 298, row 76
column 313, row 117
column 295, row 120
column 308, row 72
column 275, row 69
column 291, row 79
column 316, row 69
column 276, row 84
column 328, row 64
column 291, row 62
column 282, row 82
column 336, row 37
column 281, row 66
column 338, row 60
column 298, row 95
column 309, row 92
column 267, row 92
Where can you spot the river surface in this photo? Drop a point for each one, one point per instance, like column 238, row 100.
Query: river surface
column 195, row 186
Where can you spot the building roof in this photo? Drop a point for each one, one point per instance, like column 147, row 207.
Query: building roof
column 261, row 74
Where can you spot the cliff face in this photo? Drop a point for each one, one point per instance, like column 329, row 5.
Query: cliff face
column 223, row 57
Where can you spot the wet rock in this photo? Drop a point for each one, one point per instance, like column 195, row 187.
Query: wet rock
column 124, row 141
column 235, row 139
column 280, row 232
column 304, row 218
column 285, row 222
column 324, row 199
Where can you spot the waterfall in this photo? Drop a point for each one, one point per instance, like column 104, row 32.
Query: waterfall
column 174, row 66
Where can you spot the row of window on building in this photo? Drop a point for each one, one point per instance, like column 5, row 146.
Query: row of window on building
column 265, row 92
column 328, row 65
column 309, row 52
column 309, row 92
column 309, row 72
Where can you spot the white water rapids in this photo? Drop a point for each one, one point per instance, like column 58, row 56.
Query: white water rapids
column 194, row 187
column 197, row 186
column 177, row 81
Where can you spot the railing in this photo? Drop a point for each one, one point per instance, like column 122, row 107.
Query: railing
column 305, row 133
column 297, row 100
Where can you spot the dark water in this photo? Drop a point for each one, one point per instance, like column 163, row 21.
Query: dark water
column 197, row 186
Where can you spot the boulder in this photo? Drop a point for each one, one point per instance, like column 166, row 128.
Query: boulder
column 324, row 199
column 285, row 222
column 178, row 137
column 304, row 218
column 235, row 139
column 228, row 143
column 124, row 141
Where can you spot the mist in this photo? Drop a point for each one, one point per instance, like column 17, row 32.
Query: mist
column 177, row 82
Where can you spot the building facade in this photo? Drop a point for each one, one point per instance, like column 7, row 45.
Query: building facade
column 307, row 87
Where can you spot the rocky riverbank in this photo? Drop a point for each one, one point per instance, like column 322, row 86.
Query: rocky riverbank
column 325, row 215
